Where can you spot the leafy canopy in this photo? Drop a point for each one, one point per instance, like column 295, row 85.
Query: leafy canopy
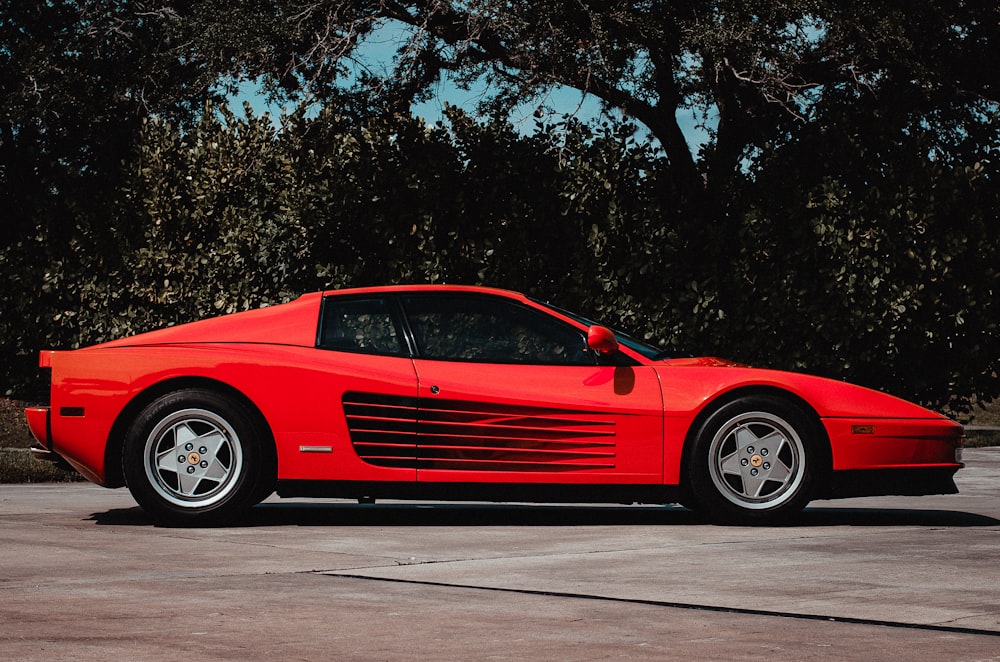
column 840, row 218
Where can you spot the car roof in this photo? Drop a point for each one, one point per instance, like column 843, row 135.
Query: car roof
column 425, row 287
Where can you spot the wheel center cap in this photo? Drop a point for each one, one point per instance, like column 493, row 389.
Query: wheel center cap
column 194, row 458
column 756, row 460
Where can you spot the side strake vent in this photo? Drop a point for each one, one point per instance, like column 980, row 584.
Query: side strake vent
column 383, row 428
column 391, row 431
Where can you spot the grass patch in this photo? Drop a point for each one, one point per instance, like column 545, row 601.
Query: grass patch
column 983, row 417
column 18, row 466
column 982, row 438
column 987, row 416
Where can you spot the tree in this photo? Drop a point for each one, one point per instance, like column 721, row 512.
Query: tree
column 77, row 78
column 759, row 75
column 760, row 69
column 840, row 218
column 854, row 137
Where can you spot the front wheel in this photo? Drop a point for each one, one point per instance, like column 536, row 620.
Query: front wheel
column 195, row 457
column 755, row 460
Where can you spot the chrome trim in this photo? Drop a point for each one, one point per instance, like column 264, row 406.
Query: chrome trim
column 44, row 454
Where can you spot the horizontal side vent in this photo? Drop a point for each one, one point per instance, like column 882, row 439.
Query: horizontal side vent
column 383, row 428
column 394, row 431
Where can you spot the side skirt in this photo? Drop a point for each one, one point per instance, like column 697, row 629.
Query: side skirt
column 495, row 492
column 841, row 485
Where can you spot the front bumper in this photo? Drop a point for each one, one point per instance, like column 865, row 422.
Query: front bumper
column 918, row 481
column 876, row 444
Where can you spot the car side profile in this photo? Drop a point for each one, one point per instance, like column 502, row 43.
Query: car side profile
column 466, row 393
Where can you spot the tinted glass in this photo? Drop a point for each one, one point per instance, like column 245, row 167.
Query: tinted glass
column 491, row 330
column 359, row 325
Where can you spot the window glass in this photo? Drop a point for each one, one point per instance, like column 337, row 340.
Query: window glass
column 491, row 330
column 359, row 325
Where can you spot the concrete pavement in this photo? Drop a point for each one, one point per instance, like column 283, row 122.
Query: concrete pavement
column 84, row 575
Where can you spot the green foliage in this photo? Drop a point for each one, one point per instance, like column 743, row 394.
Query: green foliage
column 840, row 219
column 232, row 214
column 76, row 80
column 881, row 234
column 13, row 427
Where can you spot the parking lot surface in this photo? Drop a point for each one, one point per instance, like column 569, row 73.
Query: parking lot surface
column 85, row 575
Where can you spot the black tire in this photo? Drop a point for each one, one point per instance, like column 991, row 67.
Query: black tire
column 195, row 457
column 756, row 460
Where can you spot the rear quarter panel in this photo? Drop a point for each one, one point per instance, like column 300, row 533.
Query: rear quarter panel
column 298, row 390
column 88, row 392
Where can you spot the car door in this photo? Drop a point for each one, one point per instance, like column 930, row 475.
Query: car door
column 509, row 393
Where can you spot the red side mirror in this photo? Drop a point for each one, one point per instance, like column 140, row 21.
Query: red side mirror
column 601, row 339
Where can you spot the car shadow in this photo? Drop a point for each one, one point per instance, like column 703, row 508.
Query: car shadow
column 485, row 515
column 832, row 516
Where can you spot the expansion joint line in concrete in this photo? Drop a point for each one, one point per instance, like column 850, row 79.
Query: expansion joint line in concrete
column 683, row 605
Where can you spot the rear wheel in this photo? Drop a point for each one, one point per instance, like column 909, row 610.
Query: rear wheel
column 755, row 460
column 195, row 456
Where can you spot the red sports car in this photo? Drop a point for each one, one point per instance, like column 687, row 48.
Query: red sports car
column 466, row 393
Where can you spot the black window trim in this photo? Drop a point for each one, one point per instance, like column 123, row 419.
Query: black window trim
column 486, row 296
column 410, row 349
column 403, row 326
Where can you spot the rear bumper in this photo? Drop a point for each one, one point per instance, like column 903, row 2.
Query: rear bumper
column 40, row 424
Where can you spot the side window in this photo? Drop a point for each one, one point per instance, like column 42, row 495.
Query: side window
column 359, row 325
column 491, row 330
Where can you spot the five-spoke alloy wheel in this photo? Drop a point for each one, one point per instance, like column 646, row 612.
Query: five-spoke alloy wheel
column 195, row 456
column 755, row 460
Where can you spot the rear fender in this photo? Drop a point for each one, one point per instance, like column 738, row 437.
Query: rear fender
column 114, row 476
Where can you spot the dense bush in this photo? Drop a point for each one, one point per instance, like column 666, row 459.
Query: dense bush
column 839, row 218
column 827, row 272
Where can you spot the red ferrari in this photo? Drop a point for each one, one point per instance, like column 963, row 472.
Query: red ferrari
column 466, row 393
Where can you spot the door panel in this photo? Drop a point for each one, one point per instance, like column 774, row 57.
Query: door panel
column 538, row 423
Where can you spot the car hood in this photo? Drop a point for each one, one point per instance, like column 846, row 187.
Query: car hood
column 691, row 383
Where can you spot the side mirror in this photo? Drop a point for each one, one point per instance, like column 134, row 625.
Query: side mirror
column 601, row 339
